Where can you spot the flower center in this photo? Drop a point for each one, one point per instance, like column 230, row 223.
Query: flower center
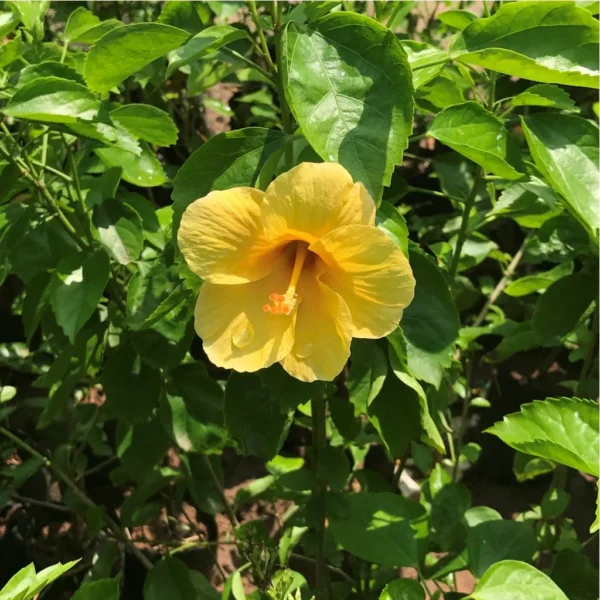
column 283, row 304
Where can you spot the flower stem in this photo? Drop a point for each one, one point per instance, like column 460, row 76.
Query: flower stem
column 319, row 441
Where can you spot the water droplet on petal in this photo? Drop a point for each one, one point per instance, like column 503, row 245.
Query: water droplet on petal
column 242, row 335
column 305, row 351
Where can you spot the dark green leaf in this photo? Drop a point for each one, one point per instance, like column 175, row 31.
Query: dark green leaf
column 565, row 49
column 368, row 371
column 562, row 305
column 103, row 589
column 575, row 576
column 349, row 86
column 254, row 417
column 565, row 150
column 403, row 589
column 146, row 123
column 120, row 230
column 132, row 388
column 125, row 50
column 382, row 528
column 430, row 323
column 76, row 288
column 53, row 100
column 440, row 92
column 564, row 430
column 170, row 578
column 482, row 137
column 185, row 15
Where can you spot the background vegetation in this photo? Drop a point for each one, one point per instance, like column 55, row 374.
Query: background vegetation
column 474, row 127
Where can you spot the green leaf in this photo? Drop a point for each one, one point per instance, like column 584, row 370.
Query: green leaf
column 26, row 584
column 53, row 100
column 565, row 49
column 31, row 12
column 8, row 23
column 544, row 94
column 227, row 160
column 254, row 417
column 169, row 578
column 125, row 50
column 440, row 92
column 430, row 322
column 539, row 281
column 47, row 69
column 565, row 150
column 146, row 123
column 390, row 220
column 564, row 430
column 92, row 35
column 144, row 170
column 10, row 51
column 526, row 467
column 575, row 576
column 120, row 230
column 207, row 41
column 426, row 61
column 103, row 589
column 559, row 309
column 403, row 589
column 368, row 370
column 383, row 528
column 515, row 580
column 79, row 21
column 349, row 86
column 482, row 137
column 448, row 507
column 492, row 541
column 458, row 19
column 530, row 203
column 76, row 288
column 185, row 15
column 132, row 388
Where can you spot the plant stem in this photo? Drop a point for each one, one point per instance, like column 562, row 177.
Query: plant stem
column 464, row 225
column 514, row 263
column 117, row 531
column 286, row 116
column 462, row 424
column 261, row 34
column 228, row 510
column 588, row 360
column 319, row 441
column 331, row 568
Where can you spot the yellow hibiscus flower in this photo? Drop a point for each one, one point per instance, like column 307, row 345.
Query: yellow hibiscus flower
column 293, row 273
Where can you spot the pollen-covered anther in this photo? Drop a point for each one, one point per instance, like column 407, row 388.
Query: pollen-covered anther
column 281, row 304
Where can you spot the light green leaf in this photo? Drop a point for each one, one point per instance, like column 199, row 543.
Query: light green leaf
column 544, row 94
column 207, row 41
column 403, row 589
column 31, row 12
column 492, row 541
column 8, row 23
column 146, row 123
column 7, row 392
column 76, row 288
column 120, row 230
column 565, row 150
column 526, row 467
column 538, row 281
column 349, row 86
column 515, row 580
column 477, row 134
column 458, row 19
column 430, row 322
column 391, row 221
column 144, row 170
column 92, row 35
column 26, row 584
column 227, row 160
column 426, row 61
column 53, row 100
column 383, row 528
column 125, row 50
column 565, row 49
column 564, row 430
column 12, row 50
column 47, row 69
column 80, row 21
column 530, row 203
column 559, row 309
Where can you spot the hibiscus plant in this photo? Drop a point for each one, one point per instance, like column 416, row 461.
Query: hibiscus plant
column 299, row 300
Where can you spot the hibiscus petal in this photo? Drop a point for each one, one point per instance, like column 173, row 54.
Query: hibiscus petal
column 366, row 268
column 222, row 240
column 236, row 332
column 323, row 331
column 312, row 199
